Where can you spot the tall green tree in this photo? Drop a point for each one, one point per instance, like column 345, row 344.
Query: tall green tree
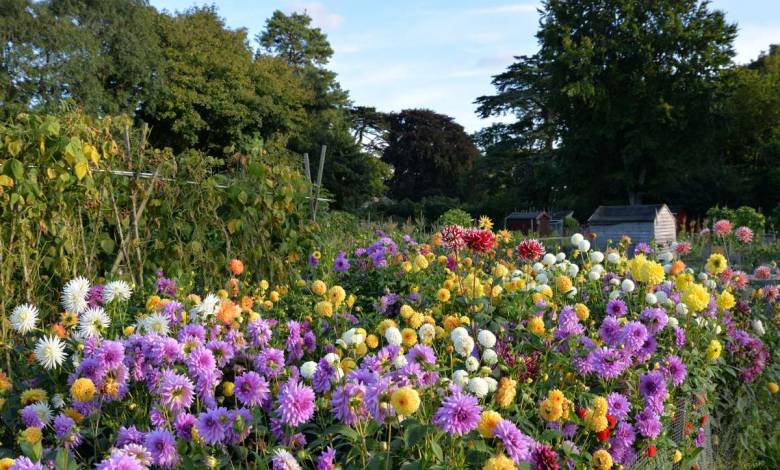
column 429, row 152
column 351, row 175
column 293, row 38
column 103, row 54
column 623, row 90
column 214, row 94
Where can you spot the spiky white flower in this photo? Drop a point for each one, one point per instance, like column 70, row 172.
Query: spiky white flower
column 116, row 290
column 285, row 460
column 43, row 411
column 57, row 401
column 93, row 322
column 155, row 323
column 74, row 295
column 50, row 352
column 207, row 308
column 24, row 318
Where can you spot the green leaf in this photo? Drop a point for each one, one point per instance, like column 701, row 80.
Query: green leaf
column 436, row 448
column 17, row 169
column 413, row 434
column 65, row 461
column 345, row 431
column 107, row 245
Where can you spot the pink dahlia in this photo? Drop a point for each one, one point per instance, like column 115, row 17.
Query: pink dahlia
column 530, row 250
column 744, row 234
column 683, row 248
column 763, row 273
column 721, row 227
column 452, row 237
column 740, row 279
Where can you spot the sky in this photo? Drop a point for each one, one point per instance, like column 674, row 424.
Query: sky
column 442, row 54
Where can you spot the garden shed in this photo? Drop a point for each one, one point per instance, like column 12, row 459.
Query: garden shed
column 643, row 223
column 558, row 220
column 529, row 222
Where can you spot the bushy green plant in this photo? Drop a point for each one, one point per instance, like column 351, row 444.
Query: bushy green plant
column 455, row 217
column 73, row 201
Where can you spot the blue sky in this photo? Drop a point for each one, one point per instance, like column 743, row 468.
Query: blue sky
column 441, row 54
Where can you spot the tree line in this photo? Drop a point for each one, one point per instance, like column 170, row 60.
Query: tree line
column 623, row 102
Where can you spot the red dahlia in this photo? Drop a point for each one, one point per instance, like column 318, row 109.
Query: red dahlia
column 530, row 250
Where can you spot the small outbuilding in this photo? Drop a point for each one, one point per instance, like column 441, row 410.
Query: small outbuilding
column 529, row 222
column 642, row 223
column 558, row 221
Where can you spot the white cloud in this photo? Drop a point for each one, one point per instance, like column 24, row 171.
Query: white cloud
column 753, row 39
column 320, row 15
column 504, row 9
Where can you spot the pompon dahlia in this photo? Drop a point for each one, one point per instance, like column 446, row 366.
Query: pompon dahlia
column 479, row 240
column 452, row 237
column 459, row 414
column 296, row 403
column 530, row 250
column 74, row 295
column 744, row 234
column 721, row 227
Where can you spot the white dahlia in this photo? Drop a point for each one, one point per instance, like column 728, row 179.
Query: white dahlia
column 50, row 352
column 24, row 318
column 43, row 411
column 207, row 308
column 74, row 295
column 93, row 322
column 116, row 290
column 155, row 323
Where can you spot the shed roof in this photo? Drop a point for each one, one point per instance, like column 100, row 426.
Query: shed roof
column 608, row 215
column 562, row 214
column 526, row 215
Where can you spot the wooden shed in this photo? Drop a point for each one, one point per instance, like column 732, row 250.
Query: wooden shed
column 643, row 223
column 529, row 221
column 558, row 220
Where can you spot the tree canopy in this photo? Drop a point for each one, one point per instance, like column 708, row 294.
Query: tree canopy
column 429, row 152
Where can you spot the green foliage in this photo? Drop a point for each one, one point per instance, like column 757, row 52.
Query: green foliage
column 292, row 37
column 743, row 216
column 626, row 89
column 429, row 152
column 65, row 214
column 455, row 217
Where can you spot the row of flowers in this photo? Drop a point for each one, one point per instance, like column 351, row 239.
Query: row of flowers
column 465, row 351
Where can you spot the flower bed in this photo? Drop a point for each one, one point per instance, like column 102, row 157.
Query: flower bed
column 470, row 351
